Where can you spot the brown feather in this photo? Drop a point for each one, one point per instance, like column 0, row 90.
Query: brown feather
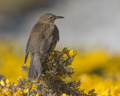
column 43, row 39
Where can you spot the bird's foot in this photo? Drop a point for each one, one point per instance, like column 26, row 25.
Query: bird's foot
column 38, row 79
column 32, row 81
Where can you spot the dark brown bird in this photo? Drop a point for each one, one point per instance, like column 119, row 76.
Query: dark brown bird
column 42, row 41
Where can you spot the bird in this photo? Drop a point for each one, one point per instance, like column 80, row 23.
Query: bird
column 42, row 40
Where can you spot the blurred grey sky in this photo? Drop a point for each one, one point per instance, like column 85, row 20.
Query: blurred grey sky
column 87, row 23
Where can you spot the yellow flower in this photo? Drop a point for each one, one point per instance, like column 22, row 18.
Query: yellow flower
column 72, row 53
column 63, row 94
column 25, row 91
column 2, row 83
column 51, row 53
column 16, row 84
column 20, row 91
column 8, row 82
column 8, row 85
column 65, row 57
column 105, row 93
column 37, row 94
column 7, row 92
column 0, row 90
column 17, row 94
column 49, row 57
column 116, row 90
column 19, row 78
column 1, row 94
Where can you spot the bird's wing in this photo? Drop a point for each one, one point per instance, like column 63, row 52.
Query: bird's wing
column 43, row 39
column 55, row 38
column 56, row 33
column 50, row 42
column 35, row 38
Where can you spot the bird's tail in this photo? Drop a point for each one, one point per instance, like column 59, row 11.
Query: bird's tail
column 35, row 68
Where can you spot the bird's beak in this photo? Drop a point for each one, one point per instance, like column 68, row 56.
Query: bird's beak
column 58, row 17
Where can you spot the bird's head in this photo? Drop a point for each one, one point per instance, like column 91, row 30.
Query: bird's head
column 49, row 17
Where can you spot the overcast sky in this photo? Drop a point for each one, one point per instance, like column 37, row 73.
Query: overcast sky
column 87, row 23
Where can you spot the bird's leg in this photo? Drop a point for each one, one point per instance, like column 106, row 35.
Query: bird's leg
column 38, row 80
column 30, row 86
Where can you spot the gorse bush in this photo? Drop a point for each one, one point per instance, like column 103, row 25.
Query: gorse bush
column 56, row 70
column 98, row 69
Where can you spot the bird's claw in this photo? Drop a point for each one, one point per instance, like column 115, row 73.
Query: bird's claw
column 38, row 80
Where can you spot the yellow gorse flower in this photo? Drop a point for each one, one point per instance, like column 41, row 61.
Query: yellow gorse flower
column 16, row 84
column 20, row 91
column 51, row 53
column 65, row 57
column 84, row 62
column 63, row 94
column 25, row 91
column 8, row 83
column 116, row 91
column 49, row 57
column 72, row 53
column 1, row 94
column 17, row 94
column 0, row 90
column 7, row 92
column 20, row 77
column 2, row 83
